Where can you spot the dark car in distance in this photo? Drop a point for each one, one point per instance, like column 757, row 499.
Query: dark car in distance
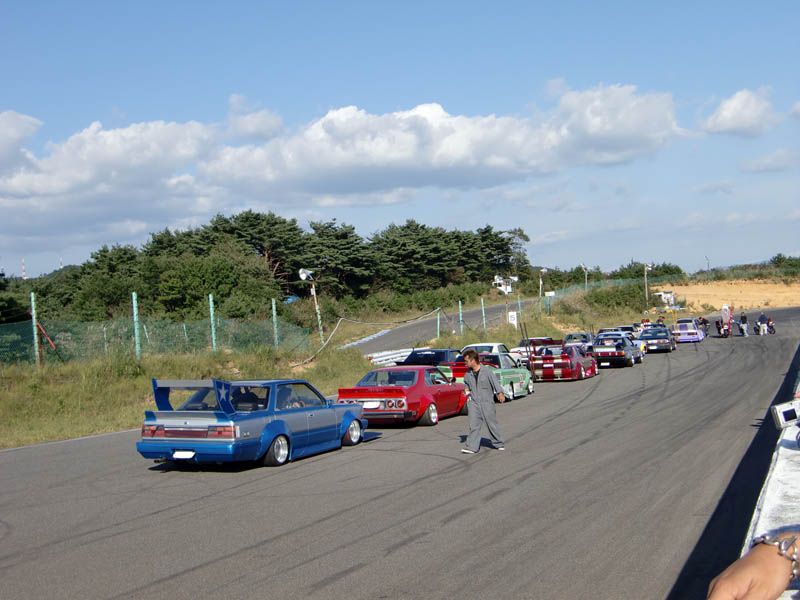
column 658, row 339
column 431, row 357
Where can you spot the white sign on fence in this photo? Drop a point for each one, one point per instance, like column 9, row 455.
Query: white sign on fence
column 512, row 318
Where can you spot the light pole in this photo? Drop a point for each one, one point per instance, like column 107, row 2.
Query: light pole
column 646, row 292
column 542, row 272
column 305, row 274
column 585, row 277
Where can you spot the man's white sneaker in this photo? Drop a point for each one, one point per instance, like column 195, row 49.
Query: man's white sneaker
column 467, row 451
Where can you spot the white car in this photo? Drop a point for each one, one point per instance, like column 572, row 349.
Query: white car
column 493, row 348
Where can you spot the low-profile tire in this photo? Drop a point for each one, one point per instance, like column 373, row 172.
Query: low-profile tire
column 431, row 416
column 640, row 360
column 581, row 374
column 630, row 362
column 278, row 453
column 508, row 392
column 353, row 435
column 530, row 385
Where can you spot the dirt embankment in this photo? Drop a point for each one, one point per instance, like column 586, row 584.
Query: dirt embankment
column 741, row 294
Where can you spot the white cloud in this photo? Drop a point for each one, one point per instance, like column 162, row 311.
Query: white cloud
column 398, row 196
column 746, row 113
column 795, row 110
column 129, row 180
column 736, row 218
column 715, row 187
column 351, row 150
column 244, row 121
column 15, row 128
column 550, row 237
column 780, row 160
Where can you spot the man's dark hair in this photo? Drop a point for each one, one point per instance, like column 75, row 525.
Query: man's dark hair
column 469, row 352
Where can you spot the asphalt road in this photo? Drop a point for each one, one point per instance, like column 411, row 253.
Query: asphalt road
column 604, row 491
column 419, row 333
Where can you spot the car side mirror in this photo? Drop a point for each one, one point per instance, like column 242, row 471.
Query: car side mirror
column 452, row 380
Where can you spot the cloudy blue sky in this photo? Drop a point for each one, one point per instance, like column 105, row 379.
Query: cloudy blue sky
column 607, row 131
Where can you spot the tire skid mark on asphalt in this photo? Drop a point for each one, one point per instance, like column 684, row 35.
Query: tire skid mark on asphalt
column 628, row 399
column 47, row 499
column 5, row 529
column 81, row 539
column 401, row 521
column 405, row 542
column 457, row 515
column 633, row 474
column 686, row 434
column 676, row 386
column 496, row 493
column 356, row 512
column 331, row 579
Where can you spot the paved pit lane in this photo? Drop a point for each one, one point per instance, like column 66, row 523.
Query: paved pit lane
column 604, row 491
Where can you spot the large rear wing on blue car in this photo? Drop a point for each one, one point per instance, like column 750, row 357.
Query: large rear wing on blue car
column 222, row 390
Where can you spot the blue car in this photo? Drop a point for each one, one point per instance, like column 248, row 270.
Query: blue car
column 272, row 421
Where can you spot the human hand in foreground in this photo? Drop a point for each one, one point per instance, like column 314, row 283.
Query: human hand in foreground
column 761, row 574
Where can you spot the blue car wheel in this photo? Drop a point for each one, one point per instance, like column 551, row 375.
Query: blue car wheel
column 278, row 452
column 353, row 434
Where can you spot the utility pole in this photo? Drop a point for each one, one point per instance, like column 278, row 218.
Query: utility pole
column 646, row 291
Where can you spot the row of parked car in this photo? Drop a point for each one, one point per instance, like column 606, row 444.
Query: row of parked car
column 276, row 421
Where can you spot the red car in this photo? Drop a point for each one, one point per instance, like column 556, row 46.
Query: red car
column 562, row 362
column 411, row 394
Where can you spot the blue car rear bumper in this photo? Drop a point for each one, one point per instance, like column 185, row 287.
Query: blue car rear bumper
column 208, row 452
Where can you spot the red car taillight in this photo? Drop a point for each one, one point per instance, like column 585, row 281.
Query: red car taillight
column 152, row 430
column 221, row 432
column 400, row 404
column 390, row 404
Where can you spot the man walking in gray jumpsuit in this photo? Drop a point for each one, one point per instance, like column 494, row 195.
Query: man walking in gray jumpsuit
column 483, row 386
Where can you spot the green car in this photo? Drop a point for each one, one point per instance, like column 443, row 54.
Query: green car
column 516, row 381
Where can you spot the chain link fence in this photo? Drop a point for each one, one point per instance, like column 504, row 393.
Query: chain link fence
column 75, row 340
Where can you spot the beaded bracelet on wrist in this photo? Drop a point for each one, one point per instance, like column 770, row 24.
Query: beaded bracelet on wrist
column 783, row 545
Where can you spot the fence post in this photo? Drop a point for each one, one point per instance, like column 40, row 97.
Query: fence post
column 483, row 314
column 460, row 318
column 137, row 340
column 438, row 323
column 519, row 306
column 274, row 323
column 105, row 340
column 35, row 331
column 213, row 322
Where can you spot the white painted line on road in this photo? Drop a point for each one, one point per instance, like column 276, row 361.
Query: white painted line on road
column 85, row 437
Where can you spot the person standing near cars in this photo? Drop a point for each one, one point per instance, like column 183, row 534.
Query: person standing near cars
column 762, row 324
column 483, row 386
column 743, row 324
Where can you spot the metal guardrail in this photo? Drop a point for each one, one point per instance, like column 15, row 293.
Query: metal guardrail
column 389, row 357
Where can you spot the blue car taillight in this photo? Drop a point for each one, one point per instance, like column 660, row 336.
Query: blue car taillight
column 152, row 431
column 221, row 432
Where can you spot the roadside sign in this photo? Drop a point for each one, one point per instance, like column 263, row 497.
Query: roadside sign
column 512, row 318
